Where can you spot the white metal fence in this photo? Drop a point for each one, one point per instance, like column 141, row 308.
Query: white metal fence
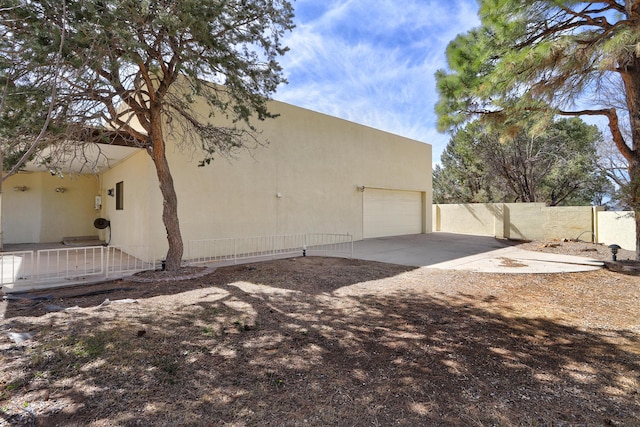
column 235, row 249
column 129, row 259
column 23, row 270
column 330, row 244
column 69, row 263
column 17, row 267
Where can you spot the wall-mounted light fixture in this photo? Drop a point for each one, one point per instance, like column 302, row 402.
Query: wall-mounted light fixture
column 20, row 188
column 60, row 190
column 361, row 188
column 110, row 192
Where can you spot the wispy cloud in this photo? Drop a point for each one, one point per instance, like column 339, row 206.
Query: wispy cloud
column 374, row 62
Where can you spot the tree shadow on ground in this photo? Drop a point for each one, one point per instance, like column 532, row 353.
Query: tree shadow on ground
column 245, row 350
column 627, row 267
column 38, row 303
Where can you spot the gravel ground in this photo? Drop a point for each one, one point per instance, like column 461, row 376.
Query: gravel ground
column 591, row 250
column 325, row 341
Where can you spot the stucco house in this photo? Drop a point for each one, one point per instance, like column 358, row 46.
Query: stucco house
column 316, row 174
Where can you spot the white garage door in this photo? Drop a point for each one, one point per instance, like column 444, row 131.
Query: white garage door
column 391, row 213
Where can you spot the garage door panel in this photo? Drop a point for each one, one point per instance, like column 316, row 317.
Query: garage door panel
column 391, row 213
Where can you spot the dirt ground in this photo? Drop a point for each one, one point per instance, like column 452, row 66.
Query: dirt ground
column 323, row 341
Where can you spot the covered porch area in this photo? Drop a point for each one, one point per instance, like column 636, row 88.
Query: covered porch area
column 48, row 204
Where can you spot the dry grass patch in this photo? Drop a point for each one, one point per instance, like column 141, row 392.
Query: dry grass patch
column 317, row 341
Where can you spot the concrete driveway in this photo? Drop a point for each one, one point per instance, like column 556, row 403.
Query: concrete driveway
column 467, row 252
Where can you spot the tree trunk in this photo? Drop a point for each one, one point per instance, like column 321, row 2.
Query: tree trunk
column 169, row 197
column 634, row 164
column 637, row 214
column 631, row 80
column 1, row 229
column 634, row 196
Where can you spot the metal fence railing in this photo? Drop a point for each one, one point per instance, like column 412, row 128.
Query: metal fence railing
column 234, row 249
column 69, row 263
column 21, row 270
column 330, row 245
column 128, row 259
column 17, row 267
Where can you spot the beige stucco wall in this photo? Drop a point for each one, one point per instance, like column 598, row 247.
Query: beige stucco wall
column 303, row 181
column 480, row 219
column 131, row 225
column 571, row 222
column 21, row 211
column 41, row 214
column 526, row 221
column 618, row 228
column 535, row 221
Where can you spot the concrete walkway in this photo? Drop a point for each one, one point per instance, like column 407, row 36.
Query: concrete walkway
column 466, row 252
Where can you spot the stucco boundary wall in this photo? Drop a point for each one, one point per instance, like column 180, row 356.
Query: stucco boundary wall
column 536, row 221
column 617, row 227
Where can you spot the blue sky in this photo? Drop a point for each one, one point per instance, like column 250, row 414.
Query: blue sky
column 373, row 62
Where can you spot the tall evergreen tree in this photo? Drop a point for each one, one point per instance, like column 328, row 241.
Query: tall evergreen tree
column 463, row 176
column 534, row 60
column 28, row 91
column 556, row 167
column 140, row 67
